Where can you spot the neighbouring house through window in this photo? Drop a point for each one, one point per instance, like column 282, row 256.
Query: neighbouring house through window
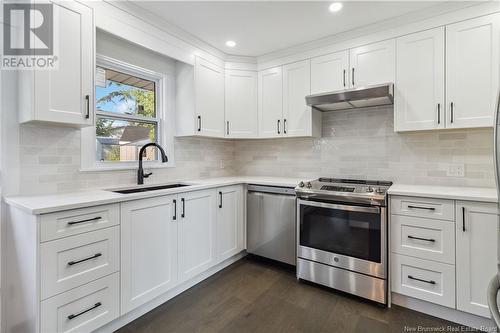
column 127, row 115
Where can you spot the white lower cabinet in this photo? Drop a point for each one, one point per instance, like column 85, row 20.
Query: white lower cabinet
column 148, row 250
column 477, row 241
column 196, row 233
column 82, row 309
column 229, row 218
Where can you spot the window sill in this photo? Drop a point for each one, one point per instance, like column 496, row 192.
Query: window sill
column 126, row 166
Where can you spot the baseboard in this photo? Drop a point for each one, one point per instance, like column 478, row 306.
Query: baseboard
column 145, row 308
column 456, row 316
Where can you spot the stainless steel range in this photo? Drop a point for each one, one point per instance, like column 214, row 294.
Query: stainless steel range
column 342, row 235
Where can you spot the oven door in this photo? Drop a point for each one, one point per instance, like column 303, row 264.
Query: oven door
column 344, row 236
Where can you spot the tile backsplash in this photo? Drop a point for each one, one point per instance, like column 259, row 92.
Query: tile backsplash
column 355, row 143
column 362, row 144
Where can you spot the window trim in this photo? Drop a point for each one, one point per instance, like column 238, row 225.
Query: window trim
column 164, row 119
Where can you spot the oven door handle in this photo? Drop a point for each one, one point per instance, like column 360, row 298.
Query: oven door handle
column 340, row 207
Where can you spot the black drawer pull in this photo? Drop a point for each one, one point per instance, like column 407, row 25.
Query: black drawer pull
column 422, row 239
column 74, row 262
column 421, row 280
column 183, row 214
column 175, row 210
column 418, row 207
column 86, row 220
column 220, row 197
column 87, row 102
column 96, row 305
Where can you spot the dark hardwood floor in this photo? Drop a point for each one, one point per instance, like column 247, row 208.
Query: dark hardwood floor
column 256, row 296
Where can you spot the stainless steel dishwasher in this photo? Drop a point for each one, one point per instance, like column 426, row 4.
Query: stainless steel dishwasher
column 271, row 222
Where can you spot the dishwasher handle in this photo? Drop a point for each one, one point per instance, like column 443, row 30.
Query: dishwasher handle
column 271, row 189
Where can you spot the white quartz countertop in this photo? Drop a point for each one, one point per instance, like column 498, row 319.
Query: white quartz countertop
column 446, row 192
column 43, row 204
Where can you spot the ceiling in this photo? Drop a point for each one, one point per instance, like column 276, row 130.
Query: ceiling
column 262, row 27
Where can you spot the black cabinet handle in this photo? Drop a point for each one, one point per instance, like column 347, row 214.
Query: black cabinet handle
column 228, row 127
column 463, row 219
column 452, row 112
column 86, row 220
column 175, row 210
column 220, row 197
column 284, row 126
column 418, row 207
column 183, row 214
column 422, row 239
column 96, row 305
column 87, row 102
column 199, row 123
column 353, row 76
column 421, row 280
column 439, row 113
column 279, row 126
column 343, row 78
column 97, row 255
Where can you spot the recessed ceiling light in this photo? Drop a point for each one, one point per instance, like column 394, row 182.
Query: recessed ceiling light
column 230, row 43
column 335, row 7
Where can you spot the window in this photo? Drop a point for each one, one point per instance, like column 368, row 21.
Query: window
column 130, row 111
column 126, row 115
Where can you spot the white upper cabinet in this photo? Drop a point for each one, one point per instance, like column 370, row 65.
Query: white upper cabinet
column 373, row 64
column 472, row 60
column 476, row 260
column 64, row 95
column 271, row 102
column 241, row 104
column 330, row 72
column 196, row 233
column 419, row 88
column 148, row 249
column 209, row 98
column 229, row 221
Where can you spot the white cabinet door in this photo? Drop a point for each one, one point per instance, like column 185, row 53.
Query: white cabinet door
column 419, row 88
column 330, row 72
column 271, row 102
column 66, row 95
column 476, row 257
column 209, row 98
column 196, row 233
column 229, row 222
column 148, row 249
column 472, row 72
column 373, row 64
column 241, row 104
column 297, row 116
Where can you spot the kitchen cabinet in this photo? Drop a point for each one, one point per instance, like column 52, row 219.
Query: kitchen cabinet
column 330, row 72
column 419, row 102
column 373, row 64
column 229, row 221
column 64, row 95
column 241, row 104
column 148, row 249
column 270, row 102
column 472, row 72
column 476, row 260
column 200, row 99
column 196, row 233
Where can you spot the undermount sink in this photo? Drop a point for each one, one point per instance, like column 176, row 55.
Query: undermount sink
column 148, row 188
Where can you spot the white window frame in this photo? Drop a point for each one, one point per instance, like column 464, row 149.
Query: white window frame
column 164, row 116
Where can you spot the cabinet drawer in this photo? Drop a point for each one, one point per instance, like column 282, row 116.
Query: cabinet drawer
column 423, row 207
column 70, row 262
column 77, row 221
column 423, row 238
column 83, row 309
column 423, row 279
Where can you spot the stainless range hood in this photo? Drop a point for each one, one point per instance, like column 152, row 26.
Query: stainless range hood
column 362, row 97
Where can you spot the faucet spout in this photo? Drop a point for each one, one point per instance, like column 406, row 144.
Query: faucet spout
column 140, row 172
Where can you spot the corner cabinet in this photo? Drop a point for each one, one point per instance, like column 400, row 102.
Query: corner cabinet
column 476, row 259
column 200, row 99
column 241, row 104
column 64, row 95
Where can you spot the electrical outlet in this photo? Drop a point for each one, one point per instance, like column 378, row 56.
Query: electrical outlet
column 221, row 164
column 456, row 170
